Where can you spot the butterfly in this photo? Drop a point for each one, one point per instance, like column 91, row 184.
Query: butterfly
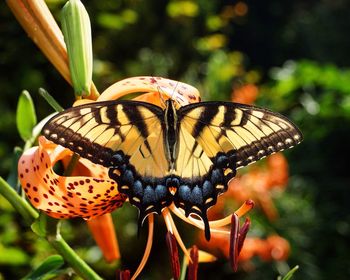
column 183, row 155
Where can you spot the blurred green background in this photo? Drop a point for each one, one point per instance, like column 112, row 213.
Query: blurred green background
column 297, row 52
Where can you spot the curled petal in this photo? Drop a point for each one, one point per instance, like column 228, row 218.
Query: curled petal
column 174, row 254
column 182, row 93
column 64, row 197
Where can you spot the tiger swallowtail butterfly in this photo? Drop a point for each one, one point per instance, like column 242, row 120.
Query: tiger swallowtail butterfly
column 159, row 156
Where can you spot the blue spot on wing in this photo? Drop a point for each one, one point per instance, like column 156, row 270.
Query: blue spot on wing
column 196, row 196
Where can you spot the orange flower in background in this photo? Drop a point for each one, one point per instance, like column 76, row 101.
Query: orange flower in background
column 273, row 248
column 245, row 94
column 259, row 183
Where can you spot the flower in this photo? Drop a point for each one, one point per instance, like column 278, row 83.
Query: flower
column 272, row 248
column 90, row 194
column 259, row 183
column 245, row 94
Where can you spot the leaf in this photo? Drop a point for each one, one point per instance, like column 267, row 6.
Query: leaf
column 25, row 116
column 51, row 264
column 290, row 274
column 39, row 225
column 12, row 256
column 49, row 99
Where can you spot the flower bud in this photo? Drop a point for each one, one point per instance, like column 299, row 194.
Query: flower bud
column 77, row 35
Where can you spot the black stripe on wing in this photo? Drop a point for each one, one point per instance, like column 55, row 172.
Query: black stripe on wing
column 90, row 129
column 252, row 132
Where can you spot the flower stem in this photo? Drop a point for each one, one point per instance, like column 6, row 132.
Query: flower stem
column 79, row 266
column 71, row 165
column 19, row 203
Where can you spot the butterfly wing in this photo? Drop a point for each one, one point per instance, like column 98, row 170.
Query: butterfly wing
column 127, row 137
column 215, row 139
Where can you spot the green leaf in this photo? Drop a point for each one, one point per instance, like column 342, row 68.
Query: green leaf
column 39, row 225
column 19, row 203
column 12, row 256
column 77, row 35
column 25, row 116
column 49, row 99
column 51, row 264
column 290, row 274
column 12, row 179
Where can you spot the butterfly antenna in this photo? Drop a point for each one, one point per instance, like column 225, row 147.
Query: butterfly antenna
column 174, row 90
column 159, row 90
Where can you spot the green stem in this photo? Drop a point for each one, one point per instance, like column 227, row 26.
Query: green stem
column 183, row 268
column 20, row 204
column 79, row 266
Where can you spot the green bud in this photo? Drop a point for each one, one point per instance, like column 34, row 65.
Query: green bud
column 77, row 35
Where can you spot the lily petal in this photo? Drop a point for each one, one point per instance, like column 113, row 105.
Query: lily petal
column 182, row 93
column 103, row 231
column 64, row 197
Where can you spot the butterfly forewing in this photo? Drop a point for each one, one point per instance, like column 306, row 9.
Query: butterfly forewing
column 251, row 132
column 98, row 130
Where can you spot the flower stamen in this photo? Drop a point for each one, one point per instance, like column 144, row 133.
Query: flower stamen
column 148, row 247
column 237, row 238
column 215, row 225
column 245, row 208
column 174, row 254
column 173, row 229
column 193, row 266
column 234, row 242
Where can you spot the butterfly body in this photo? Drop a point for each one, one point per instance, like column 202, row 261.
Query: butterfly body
column 159, row 156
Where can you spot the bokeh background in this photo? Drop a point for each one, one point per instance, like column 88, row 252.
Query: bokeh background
column 293, row 56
